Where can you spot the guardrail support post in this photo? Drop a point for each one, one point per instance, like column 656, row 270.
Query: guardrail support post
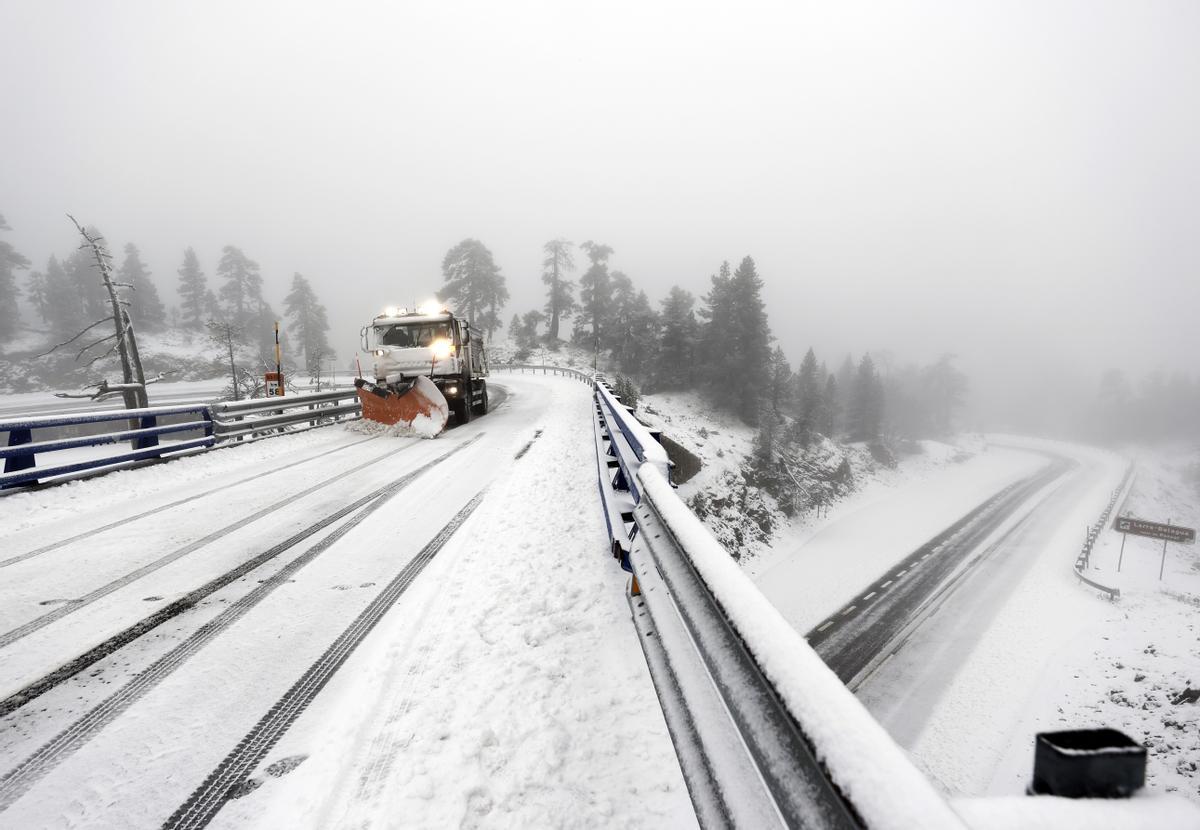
column 146, row 441
column 16, row 463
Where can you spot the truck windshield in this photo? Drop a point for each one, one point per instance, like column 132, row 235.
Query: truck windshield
column 411, row 336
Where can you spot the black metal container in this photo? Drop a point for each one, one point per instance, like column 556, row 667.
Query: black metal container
column 1087, row 763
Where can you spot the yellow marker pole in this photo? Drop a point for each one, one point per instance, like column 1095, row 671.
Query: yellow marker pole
column 278, row 362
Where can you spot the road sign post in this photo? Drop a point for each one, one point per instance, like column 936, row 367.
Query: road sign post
column 1154, row 530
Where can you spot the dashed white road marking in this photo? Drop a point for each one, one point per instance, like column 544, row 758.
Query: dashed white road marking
column 849, row 610
column 826, row 625
column 901, row 573
column 926, row 556
column 868, row 596
column 884, row 585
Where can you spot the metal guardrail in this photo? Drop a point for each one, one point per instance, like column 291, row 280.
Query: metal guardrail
column 533, row 368
column 143, row 431
column 1084, row 559
column 766, row 735
column 242, row 419
column 218, row 423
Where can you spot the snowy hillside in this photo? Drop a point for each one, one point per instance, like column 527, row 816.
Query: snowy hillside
column 750, row 522
column 176, row 355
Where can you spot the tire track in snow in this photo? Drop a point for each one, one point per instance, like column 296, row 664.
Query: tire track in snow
column 206, row 801
column 190, row 600
column 22, row 777
column 21, row 557
column 37, row 623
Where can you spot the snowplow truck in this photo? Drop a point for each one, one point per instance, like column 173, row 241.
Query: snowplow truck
column 426, row 364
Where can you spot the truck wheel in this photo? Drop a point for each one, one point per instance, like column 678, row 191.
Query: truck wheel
column 462, row 408
column 482, row 408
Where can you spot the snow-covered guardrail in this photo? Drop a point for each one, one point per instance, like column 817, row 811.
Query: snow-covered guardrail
column 766, row 734
column 244, row 419
column 30, row 461
column 534, row 368
column 25, row 458
column 1093, row 533
column 623, row 444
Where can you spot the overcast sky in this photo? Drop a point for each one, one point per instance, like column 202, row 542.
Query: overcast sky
column 1010, row 182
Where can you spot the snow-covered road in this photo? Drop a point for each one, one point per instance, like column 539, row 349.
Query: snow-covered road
column 955, row 694
column 503, row 685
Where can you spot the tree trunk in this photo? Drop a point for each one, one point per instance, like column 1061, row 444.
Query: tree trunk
column 232, row 370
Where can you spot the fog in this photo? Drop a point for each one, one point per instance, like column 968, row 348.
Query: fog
column 1018, row 184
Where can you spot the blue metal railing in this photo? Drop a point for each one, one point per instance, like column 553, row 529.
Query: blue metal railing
column 22, row 451
column 623, row 445
column 219, row 423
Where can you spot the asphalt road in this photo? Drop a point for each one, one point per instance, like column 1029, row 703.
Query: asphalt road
column 854, row 639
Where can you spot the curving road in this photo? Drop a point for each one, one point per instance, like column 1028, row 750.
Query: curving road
column 855, row 639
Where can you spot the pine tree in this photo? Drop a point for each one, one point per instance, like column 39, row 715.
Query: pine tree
column 560, row 292
column 194, row 306
column 64, row 301
column 241, row 291
column 146, row 309
column 944, row 388
column 10, row 263
column 644, row 325
column 86, row 283
column 715, row 343
column 39, row 295
column 831, row 408
column 735, row 342
column 808, row 398
column 781, row 381
column 525, row 331
column 866, row 403
column 632, row 330
column 752, row 341
column 474, row 285
column 308, row 322
column 595, row 297
column 212, row 307
column 674, row 364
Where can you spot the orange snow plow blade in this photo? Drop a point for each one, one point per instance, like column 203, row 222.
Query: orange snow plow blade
column 418, row 405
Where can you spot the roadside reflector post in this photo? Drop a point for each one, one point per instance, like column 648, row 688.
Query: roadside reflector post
column 278, row 365
column 1121, row 557
column 1163, row 563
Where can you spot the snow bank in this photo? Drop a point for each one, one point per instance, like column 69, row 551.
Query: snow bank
column 1046, row 813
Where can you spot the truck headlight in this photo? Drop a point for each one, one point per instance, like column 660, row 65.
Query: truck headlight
column 441, row 348
column 451, row 390
column 379, row 352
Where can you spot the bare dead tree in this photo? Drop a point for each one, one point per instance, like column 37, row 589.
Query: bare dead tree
column 104, row 389
column 314, row 361
column 226, row 336
column 133, row 385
